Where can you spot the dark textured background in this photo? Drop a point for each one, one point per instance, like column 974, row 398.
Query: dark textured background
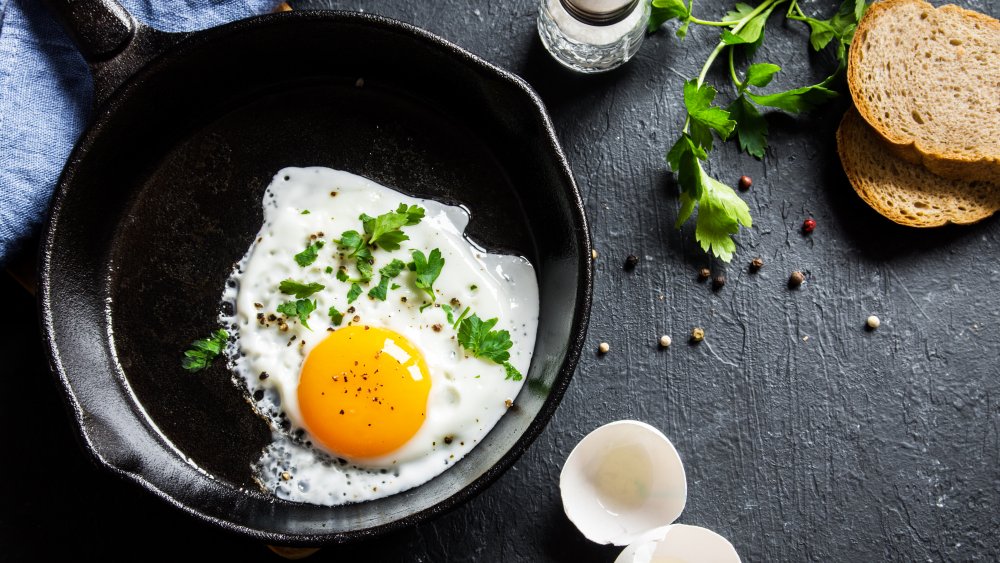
column 804, row 436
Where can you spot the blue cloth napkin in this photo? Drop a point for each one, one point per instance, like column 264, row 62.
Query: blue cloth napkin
column 46, row 94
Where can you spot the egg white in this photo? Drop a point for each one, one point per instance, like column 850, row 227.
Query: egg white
column 468, row 395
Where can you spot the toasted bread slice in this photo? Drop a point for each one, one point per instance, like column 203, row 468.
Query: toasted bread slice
column 928, row 81
column 905, row 192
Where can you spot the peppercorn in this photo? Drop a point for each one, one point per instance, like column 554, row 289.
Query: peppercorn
column 796, row 279
column 873, row 322
column 631, row 261
column 603, row 347
column 809, row 225
column 593, row 254
column 697, row 334
column 756, row 264
column 704, row 274
column 745, row 182
column 718, row 282
column 665, row 341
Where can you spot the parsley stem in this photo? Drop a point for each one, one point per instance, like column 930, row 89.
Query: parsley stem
column 738, row 25
column 736, row 29
column 710, row 23
column 740, row 86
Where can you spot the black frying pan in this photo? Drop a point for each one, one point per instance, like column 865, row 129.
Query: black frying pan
column 162, row 195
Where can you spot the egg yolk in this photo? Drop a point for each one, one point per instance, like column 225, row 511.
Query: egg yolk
column 363, row 391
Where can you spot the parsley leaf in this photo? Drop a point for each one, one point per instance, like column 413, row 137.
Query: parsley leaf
column 752, row 32
column 449, row 313
column 720, row 210
column 512, row 372
column 342, row 275
column 475, row 336
column 353, row 293
column 387, row 272
column 797, row 100
column 741, row 11
column 203, row 351
column 336, row 317
column 704, row 116
column 414, row 213
column 364, row 263
column 384, row 230
column 298, row 289
column 351, row 240
column 428, row 268
column 751, row 127
column 760, row 74
column 664, row 10
column 841, row 26
column 720, row 213
column 300, row 308
column 309, row 255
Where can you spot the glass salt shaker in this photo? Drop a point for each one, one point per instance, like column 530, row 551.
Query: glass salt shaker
column 592, row 35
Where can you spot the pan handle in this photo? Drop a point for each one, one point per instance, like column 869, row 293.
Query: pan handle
column 113, row 43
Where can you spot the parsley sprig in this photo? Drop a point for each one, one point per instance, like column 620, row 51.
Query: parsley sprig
column 720, row 211
column 300, row 308
column 384, row 231
column 427, row 268
column 387, row 272
column 478, row 338
column 203, row 351
column 310, row 254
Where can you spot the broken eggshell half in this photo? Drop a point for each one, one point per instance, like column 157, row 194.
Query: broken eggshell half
column 682, row 544
column 623, row 483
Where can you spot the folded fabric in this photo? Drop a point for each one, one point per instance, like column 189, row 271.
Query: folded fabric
column 46, row 95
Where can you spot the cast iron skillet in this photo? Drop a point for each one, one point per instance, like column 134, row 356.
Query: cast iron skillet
column 163, row 194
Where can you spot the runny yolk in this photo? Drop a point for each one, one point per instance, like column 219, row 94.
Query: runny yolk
column 363, row 391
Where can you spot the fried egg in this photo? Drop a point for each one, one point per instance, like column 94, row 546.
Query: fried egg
column 388, row 398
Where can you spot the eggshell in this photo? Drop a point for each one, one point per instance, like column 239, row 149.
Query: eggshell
column 680, row 543
column 623, row 483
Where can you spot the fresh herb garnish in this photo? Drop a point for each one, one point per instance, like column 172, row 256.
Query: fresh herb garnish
column 461, row 318
column 329, row 269
column 386, row 272
column 353, row 293
column 384, row 231
column 336, row 317
column 305, row 212
column 449, row 313
column 300, row 308
column 511, row 371
column 720, row 211
column 428, row 268
column 298, row 289
column 476, row 336
column 203, row 351
column 309, row 255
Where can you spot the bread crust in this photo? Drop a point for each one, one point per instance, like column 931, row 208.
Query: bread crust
column 904, row 192
column 942, row 163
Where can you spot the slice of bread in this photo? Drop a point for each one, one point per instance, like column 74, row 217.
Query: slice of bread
column 928, row 81
column 905, row 192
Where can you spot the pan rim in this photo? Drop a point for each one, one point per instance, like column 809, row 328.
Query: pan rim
column 582, row 299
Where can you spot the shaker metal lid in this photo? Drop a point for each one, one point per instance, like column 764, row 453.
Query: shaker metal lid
column 599, row 12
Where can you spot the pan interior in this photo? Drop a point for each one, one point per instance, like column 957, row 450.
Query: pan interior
column 164, row 196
